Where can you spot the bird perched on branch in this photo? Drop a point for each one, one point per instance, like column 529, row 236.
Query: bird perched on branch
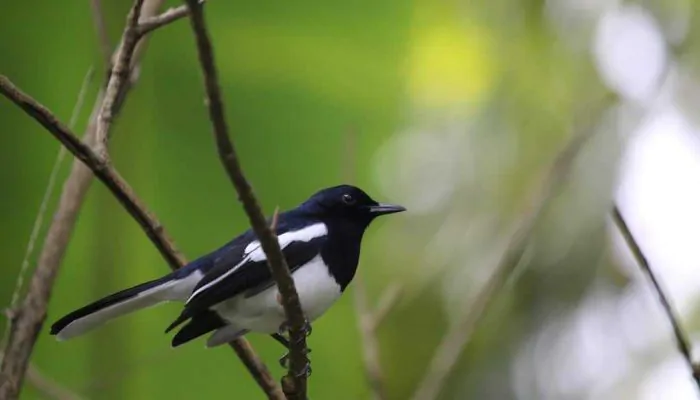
column 231, row 292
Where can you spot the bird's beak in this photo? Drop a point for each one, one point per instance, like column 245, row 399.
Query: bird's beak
column 383, row 209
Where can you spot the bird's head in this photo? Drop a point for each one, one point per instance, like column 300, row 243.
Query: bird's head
column 348, row 204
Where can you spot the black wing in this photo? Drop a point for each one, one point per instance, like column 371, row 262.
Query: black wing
column 199, row 325
column 237, row 272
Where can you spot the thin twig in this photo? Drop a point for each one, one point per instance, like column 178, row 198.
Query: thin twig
column 294, row 383
column 458, row 337
column 39, row 220
column 99, row 166
column 257, row 369
column 387, row 301
column 27, row 321
column 682, row 342
column 681, row 339
column 170, row 15
column 104, row 171
column 367, row 320
column 275, row 217
column 150, row 8
column 370, row 344
column 102, row 35
column 118, row 79
column 47, row 386
column 35, row 377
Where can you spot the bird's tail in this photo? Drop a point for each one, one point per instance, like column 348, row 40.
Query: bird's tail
column 175, row 286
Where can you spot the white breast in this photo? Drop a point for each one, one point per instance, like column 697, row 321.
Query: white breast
column 262, row 313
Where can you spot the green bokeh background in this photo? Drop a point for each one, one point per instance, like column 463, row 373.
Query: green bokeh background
column 298, row 78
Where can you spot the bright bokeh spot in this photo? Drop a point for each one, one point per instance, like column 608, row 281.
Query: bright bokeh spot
column 449, row 61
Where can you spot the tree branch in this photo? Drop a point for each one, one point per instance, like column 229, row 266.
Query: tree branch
column 26, row 322
column 170, row 15
column 48, row 386
column 682, row 342
column 36, row 378
column 294, row 384
column 118, row 79
column 100, row 167
column 39, row 220
column 101, row 29
column 370, row 344
column 387, row 301
column 681, row 339
column 104, row 171
column 458, row 337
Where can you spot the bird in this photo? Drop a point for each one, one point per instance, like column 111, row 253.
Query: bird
column 230, row 292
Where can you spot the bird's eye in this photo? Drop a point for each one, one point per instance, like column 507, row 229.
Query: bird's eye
column 348, row 199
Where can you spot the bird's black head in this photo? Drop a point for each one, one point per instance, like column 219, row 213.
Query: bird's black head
column 347, row 203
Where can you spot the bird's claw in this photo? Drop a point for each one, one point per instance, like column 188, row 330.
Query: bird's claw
column 284, row 360
column 306, row 328
column 306, row 371
column 283, row 328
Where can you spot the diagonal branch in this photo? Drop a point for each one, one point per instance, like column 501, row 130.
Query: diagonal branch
column 682, row 342
column 387, row 301
column 118, row 79
column 104, row 171
column 170, row 15
column 37, row 379
column 99, row 166
column 370, row 343
column 48, row 192
column 681, row 339
column 27, row 321
column 101, row 30
column 295, row 382
column 47, row 386
column 458, row 337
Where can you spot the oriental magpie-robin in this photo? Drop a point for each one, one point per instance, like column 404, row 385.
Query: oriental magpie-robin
column 231, row 292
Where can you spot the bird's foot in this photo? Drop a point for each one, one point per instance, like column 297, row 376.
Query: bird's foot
column 281, row 339
column 284, row 360
column 306, row 371
column 284, row 328
column 306, row 328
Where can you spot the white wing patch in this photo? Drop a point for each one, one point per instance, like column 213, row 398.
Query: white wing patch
column 254, row 252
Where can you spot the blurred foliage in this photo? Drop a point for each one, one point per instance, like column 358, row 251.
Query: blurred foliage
column 482, row 92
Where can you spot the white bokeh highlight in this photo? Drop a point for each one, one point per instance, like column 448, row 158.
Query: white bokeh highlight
column 617, row 344
column 630, row 52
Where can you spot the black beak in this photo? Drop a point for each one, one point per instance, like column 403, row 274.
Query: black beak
column 383, row 209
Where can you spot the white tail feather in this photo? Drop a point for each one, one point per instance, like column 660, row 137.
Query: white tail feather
column 174, row 290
